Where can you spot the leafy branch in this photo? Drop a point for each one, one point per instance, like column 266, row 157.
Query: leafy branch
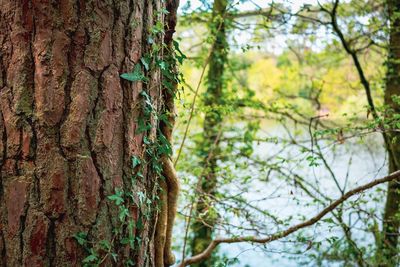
column 263, row 240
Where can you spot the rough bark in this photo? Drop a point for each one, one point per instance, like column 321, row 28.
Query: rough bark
column 388, row 248
column 68, row 126
column 213, row 99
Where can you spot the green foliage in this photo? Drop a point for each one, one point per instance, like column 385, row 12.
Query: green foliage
column 136, row 76
column 293, row 120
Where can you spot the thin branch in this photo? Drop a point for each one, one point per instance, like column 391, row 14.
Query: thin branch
column 263, row 240
column 192, row 106
column 192, row 109
column 265, row 12
column 363, row 79
column 356, row 61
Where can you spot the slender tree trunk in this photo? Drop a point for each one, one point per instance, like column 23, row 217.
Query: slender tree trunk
column 68, row 127
column 213, row 100
column 387, row 251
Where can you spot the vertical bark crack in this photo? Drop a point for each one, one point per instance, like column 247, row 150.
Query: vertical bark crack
column 99, row 173
column 22, row 230
column 3, row 251
column 51, row 242
column 116, row 15
column 4, row 155
column 93, row 154
column 96, row 164
column 3, row 159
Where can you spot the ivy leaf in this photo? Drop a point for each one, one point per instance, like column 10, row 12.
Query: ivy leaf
column 168, row 85
column 81, row 238
column 130, row 263
column 125, row 241
column 105, row 244
column 123, row 213
column 146, row 62
column 146, row 140
column 164, row 118
column 114, row 256
column 157, row 28
column 142, row 197
column 180, row 56
column 139, row 225
column 165, row 147
column 135, row 162
column 163, row 65
column 117, row 199
column 90, row 258
column 136, row 76
column 164, row 11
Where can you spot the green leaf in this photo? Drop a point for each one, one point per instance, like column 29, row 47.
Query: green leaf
column 146, row 62
column 179, row 55
column 146, row 140
column 157, row 28
column 90, row 258
column 105, row 244
column 141, row 196
column 117, row 199
column 163, row 65
column 164, row 11
column 135, row 76
column 123, row 213
column 328, row 220
column 125, row 241
column 135, row 161
column 168, row 85
column 114, row 256
column 139, row 225
column 81, row 238
column 130, row 263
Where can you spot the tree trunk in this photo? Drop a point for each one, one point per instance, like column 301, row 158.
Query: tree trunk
column 69, row 132
column 213, row 100
column 387, row 251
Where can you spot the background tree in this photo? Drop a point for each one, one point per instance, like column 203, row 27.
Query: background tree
column 214, row 99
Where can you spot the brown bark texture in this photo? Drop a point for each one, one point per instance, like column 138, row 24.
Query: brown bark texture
column 387, row 250
column 67, row 125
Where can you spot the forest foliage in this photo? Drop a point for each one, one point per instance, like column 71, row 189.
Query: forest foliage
column 305, row 118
